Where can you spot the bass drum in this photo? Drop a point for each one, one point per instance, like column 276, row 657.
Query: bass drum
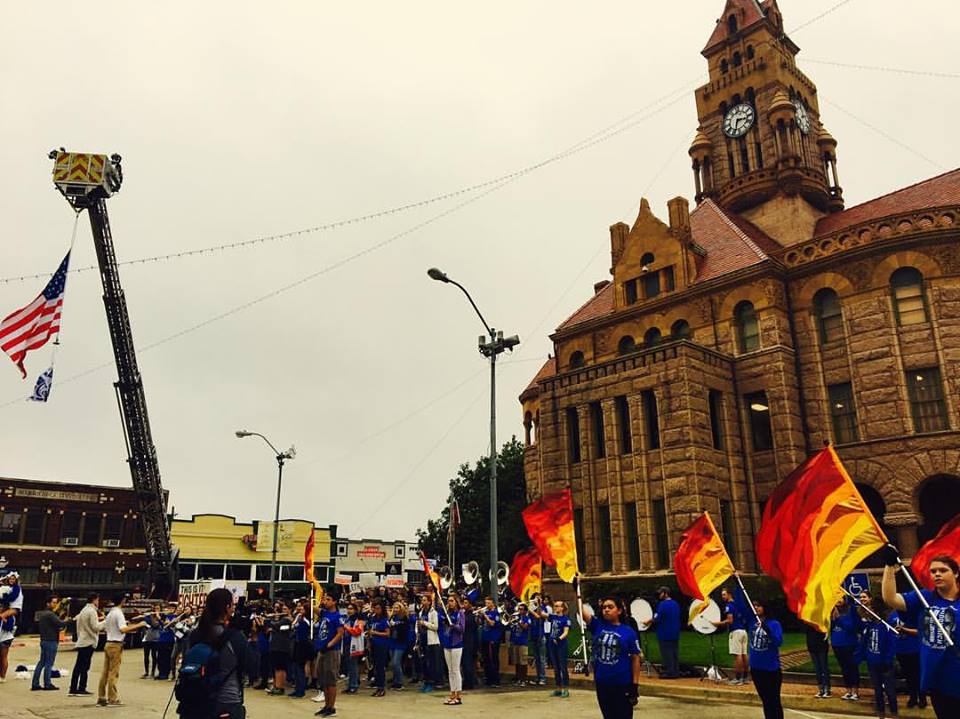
column 703, row 614
column 641, row 611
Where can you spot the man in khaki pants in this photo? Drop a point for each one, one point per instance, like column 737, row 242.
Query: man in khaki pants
column 116, row 627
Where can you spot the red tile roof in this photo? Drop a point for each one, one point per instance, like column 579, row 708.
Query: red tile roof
column 750, row 14
column 597, row 306
column 936, row 192
column 549, row 369
column 730, row 241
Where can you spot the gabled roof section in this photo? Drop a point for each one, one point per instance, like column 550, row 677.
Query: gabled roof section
column 597, row 306
column 731, row 243
column 748, row 13
column 936, row 192
column 549, row 369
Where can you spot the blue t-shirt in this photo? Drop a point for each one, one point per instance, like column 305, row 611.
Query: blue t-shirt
column 906, row 643
column 399, row 629
column 765, row 641
column 520, row 632
column 877, row 643
column 490, row 633
column 939, row 665
column 536, row 628
column 166, row 635
column 613, row 645
column 845, row 629
column 558, row 622
column 667, row 619
column 379, row 625
column 451, row 633
column 327, row 625
column 738, row 621
column 302, row 630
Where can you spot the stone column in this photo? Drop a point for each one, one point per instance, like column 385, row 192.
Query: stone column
column 904, row 526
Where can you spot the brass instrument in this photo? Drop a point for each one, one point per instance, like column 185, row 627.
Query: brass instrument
column 446, row 578
column 471, row 573
column 503, row 576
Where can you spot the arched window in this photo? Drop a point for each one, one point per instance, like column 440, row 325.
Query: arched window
column 737, row 59
column 680, row 330
column 724, row 67
column 528, row 428
column 626, row 345
column 909, row 303
column 576, row 359
column 751, row 96
column 732, row 24
column 826, row 308
column 647, row 259
column 652, row 337
column 750, row 52
column 748, row 328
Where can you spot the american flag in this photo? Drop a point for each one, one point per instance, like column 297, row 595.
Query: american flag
column 32, row 326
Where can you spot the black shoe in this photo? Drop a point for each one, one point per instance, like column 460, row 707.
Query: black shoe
column 83, row 693
column 323, row 712
column 50, row 688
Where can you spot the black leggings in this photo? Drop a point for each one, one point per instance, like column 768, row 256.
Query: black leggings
column 848, row 666
column 613, row 701
column 945, row 706
column 768, row 688
column 884, row 685
column 149, row 652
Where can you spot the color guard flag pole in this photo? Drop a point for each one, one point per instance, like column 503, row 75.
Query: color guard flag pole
column 923, row 600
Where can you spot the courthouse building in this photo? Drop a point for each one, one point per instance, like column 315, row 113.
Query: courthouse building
column 733, row 340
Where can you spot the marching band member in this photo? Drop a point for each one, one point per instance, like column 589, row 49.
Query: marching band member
column 766, row 636
column 399, row 629
column 736, row 626
column 557, row 647
column 11, row 604
column 468, row 662
column 845, row 626
column 519, row 639
column 616, row 659
column 939, row 662
column 491, row 634
column 877, row 646
column 451, row 639
column 428, row 624
column 354, row 627
column 303, row 650
column 379, row 630
column 537, row 640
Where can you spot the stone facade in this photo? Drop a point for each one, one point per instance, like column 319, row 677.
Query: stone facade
column 648, row 408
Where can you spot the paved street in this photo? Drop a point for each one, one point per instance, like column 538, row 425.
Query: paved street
column 147, row 698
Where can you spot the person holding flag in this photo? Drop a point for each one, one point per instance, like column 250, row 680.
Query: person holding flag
column 766, row 636
column 877, row 646
column 452, row 624
column 937, row 612
column 616, row 659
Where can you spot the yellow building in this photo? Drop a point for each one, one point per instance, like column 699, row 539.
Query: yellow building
column 217, row 546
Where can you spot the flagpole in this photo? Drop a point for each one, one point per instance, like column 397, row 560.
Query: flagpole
column 583, row 627
column 923, row 600
column 868, row 610
column 311, row 612
column 747, row 596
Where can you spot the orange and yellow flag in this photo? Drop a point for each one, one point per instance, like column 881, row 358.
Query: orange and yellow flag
column 816, row 529
column 308, row 568
column 526, row 573
column 549, row 523
column 701, row 563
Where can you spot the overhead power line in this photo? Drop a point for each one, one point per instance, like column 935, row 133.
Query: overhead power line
column 882, row 68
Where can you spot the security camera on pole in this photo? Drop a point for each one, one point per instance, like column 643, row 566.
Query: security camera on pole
column 488, row 348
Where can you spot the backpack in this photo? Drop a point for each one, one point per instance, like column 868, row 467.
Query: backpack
column 198, row 684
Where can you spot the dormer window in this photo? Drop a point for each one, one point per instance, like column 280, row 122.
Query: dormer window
column 732, row 24
column 576, row 360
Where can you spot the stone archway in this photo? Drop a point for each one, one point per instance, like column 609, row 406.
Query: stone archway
column 938, row 499
column 878, row 508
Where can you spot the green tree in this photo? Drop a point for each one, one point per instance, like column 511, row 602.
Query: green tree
column 471, row 489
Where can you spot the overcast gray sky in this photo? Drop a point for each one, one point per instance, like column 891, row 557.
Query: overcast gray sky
column 237, row 120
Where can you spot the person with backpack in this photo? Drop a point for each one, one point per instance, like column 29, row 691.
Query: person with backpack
column 210, row 683
column 354, row 627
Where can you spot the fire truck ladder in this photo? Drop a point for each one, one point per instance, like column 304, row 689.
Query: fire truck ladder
column 87, row 181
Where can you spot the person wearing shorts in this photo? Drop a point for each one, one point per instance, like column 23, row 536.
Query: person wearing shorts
column 327, row 641
column 737, row 640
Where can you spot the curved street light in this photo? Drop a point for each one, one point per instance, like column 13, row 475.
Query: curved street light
column 281, row 457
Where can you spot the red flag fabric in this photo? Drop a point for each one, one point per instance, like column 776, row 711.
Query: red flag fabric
column 701, row 563
column 549, row 523
column 816, row 529
column 946, row 542
column 432, row 576
column 526, row 573
column 308, row 567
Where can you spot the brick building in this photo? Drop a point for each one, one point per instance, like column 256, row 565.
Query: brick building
column 71, row 538
column 733, row 340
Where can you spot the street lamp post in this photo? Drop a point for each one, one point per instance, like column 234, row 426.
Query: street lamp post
column 281, row 458
column 495, row 346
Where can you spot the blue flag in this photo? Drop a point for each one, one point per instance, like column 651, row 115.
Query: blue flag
column 41, row 392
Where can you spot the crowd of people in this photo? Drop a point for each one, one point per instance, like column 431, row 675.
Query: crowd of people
column 391, row 640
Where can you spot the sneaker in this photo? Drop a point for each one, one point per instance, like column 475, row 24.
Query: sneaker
column 541, row 682
column 827, row 694
column 847, row 697
column 565, row 694
column 323, row 712
column 50, row 688
column 319, row 698
column 854, row 697
column 556, row 693
column 115, row 703
column 83, row 693
column 101, row 702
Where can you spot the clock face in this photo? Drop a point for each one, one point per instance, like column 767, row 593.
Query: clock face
column 803, row 119
column 738, row 120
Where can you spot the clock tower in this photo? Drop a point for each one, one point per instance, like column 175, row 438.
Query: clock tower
column 761, row 149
